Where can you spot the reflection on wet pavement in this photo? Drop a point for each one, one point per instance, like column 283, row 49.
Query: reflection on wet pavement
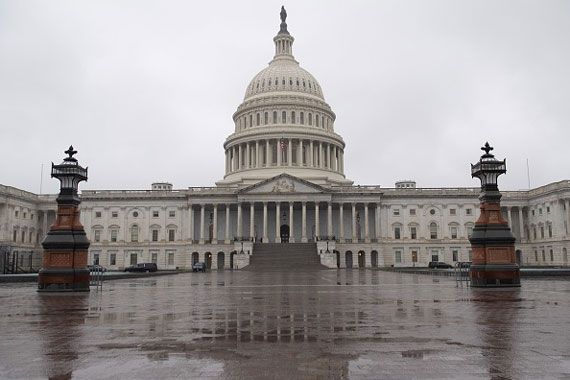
column 322, row 324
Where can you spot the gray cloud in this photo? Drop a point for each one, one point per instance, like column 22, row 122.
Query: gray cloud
column 145, row 90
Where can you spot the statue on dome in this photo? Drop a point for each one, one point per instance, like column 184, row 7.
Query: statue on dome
column 283, row 14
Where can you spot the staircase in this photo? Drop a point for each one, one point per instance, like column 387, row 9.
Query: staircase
column 284, row 256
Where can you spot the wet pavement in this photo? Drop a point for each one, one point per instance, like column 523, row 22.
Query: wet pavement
column 321, row 324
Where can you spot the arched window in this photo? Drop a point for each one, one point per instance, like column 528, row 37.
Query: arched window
column 302, row 115
column 257, row 119
column 433, row 230
column 323, row 121
column 266, row 118
column 283, row 117
column 274, row 117
column 135, row 233
column 310, row 119
column 317, row 121
column 293, row 117
column 251, row 120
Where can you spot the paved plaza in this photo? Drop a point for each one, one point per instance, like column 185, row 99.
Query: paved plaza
column 315, row 324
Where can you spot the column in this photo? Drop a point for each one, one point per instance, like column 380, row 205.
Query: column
column 311, row 155
column 267, row 157
column 252, row 221
column 377, row 222
column 265, row 239
column 291, row 227
column 510, row 217
column 304, row 222
column 215, row 226
column 239, row 157
column 247, row 156
column 567, row 204
column 290, row 153
column 202, row 211
column 334, row 163
column 239, row 226
column 317, row 233
column 521, row 224
column 277, row 222
column 279, row 153
column 227, row 237
column 354, row 236
column 341, row 222
column 300, row 153
column 341, row 157
column 191, row 223
column 366, row 226
column 226, row 162
column 329, row 220
column 329, row 166
column 321, row 160
column 257, row 155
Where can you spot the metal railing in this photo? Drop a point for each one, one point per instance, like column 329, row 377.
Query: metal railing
column 96, row 277
column 461, row 273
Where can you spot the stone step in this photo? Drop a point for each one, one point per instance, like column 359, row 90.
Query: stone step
column 284, row 256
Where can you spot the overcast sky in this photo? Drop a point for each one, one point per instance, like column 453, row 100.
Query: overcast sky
column 145, row 90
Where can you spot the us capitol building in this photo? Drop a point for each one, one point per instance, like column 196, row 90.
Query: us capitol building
column 285, row 183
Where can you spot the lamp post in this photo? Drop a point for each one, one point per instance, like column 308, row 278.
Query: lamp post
column 64, row 267
column 493, row 244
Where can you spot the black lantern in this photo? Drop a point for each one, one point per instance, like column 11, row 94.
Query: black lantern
column 69, row 173
column 488, row 170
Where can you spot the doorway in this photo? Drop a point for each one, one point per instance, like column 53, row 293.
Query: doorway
column 348, row 259
column 221, row 260
column 209, row 260
column 361, row 259
column 285, row 233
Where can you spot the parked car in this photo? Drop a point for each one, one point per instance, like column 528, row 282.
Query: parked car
column 464, row 264
column 439, row 265
column 199, row 267
column 142, row 267
column 96, row 268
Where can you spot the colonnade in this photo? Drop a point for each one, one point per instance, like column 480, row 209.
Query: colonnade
column 559, row 210
column 278, row 207
column 284, row 152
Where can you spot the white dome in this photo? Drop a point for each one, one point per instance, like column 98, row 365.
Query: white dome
column 283, row 75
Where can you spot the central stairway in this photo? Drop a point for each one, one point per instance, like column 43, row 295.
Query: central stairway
column 284, row 256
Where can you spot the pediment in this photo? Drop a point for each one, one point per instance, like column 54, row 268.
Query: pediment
column 283, row 183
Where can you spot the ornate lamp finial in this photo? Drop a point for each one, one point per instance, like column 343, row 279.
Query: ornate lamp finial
column 487, row 148
column 70, row 152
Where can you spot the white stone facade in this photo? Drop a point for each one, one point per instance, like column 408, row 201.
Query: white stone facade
column 284, row 176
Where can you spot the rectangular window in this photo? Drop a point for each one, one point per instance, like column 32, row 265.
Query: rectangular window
column 32, row 216
column 434, row 255
column 114, row 236
column 155, row 214
column 541, row 232
column 543, row 256
column 454, row 232
column 154, row 257
column 114, row 214
column 469, row 211
column 452, row 211
column 97, row 214
column 455, row 255
column 551, row 255
column 532, row 212
column 396, row 212
column 539, row 211
column 413, row 233
column 550, row 230
column 414, row 256
column 25, row 215
column 97, row 235
column 134, row 234
column 170, row 257
column 171, row 214
column 398, row 257
column 534, row 232
column 396, row 232
column 15, row 236
column 95, row 259
column 133, row 258
column 113, row 259
column 536, row 256
column 548, row 209
column 17, row 213
column 412, row 211
column 171, row 235
column 154, row 235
